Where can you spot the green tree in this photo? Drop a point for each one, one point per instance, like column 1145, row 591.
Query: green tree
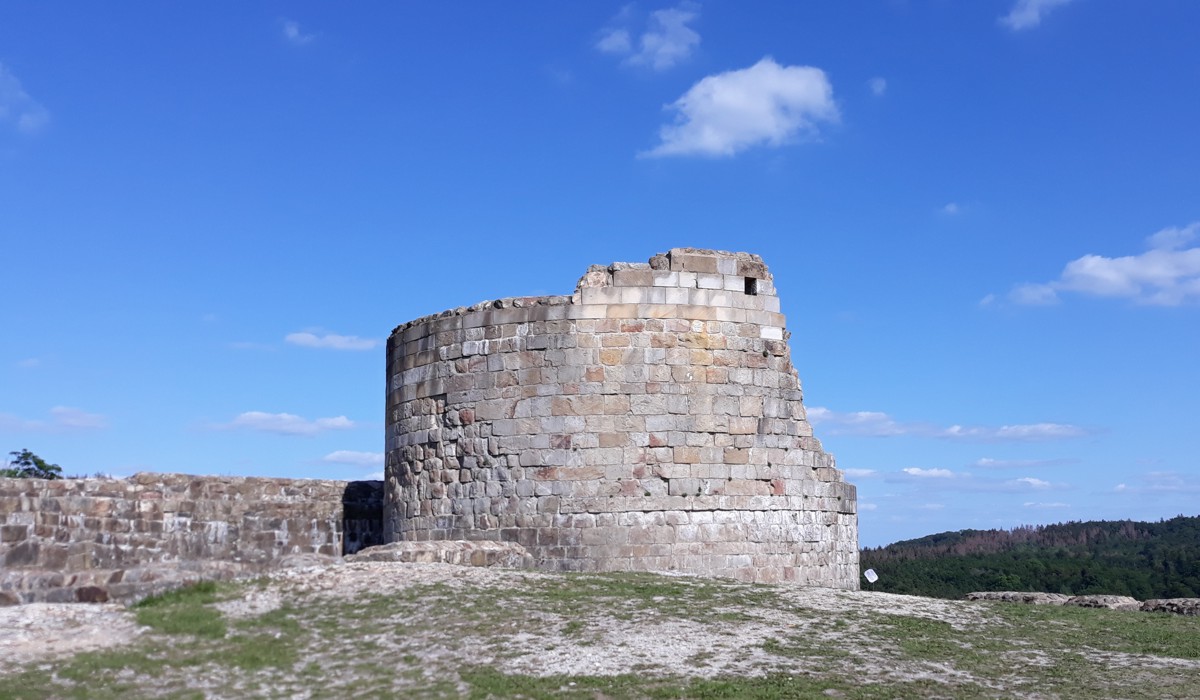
column 27, row 465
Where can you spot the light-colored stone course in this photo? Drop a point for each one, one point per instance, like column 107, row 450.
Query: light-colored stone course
column 651, row 420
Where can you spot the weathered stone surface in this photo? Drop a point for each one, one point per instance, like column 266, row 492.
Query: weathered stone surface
column 1112, row 602
column 461, row 552
column 1176, row 606
column 1029, row 597
column 653, row 420
column 124, row 537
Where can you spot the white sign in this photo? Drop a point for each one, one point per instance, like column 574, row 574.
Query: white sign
column 871, row 576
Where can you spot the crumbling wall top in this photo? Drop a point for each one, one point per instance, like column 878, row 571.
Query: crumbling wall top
column 678, row 267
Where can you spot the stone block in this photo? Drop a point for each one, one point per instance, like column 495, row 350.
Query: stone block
column 687, row 262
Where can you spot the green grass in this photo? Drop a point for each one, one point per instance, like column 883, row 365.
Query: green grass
column 436, row 641
column 184, row 611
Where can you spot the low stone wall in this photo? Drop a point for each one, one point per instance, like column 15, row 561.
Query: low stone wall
column 85, row 533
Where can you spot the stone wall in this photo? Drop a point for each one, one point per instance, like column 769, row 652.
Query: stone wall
column 652, row 420
column 71, row 532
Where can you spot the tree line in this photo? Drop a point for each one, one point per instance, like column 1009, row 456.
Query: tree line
column 1139, row 559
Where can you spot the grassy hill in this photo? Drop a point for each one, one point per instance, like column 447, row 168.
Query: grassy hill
column 439, row 631
column 1138, row 559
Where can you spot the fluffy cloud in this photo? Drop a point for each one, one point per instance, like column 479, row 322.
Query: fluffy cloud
column 667, row 41
column 877, row 424
column 17, row 107
column 291, row 32
column 878, row 86
column 286, row 423
column 331, row 341
column 360, row 459
column 1168, row 274
column 1056, row 504
column 62, row 418
column 1027, row 14
column 765, row 104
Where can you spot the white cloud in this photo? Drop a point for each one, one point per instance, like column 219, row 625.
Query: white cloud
column 929, row 473
column 931, row 506
column 951, row 209
column 1056, row 504
column 989, row 463
column 1162, row 482
column 286, row 423
column 878, row 424
column 615, row 41
column 765, row 104
column 62, row 419
column 17, row 107
column 74, row 418
column 1020, row 433
column 1031, row 483
column 29, row 363
column 361, row 459
column 1034, row 294
column 878, row 86
column 291, row 32
column 859, row 473
column 331, row 341
column 372, row 476
column 867, row 423
column 867, row 506
column 1027, row 14
column 1168, row 274
column 667, row 41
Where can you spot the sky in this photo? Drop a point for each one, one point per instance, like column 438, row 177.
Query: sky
column 983, row 219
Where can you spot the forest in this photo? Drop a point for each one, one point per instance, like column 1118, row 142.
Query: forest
column 1140, row 559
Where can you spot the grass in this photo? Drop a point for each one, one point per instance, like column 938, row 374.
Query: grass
column 184, row 611
column 463, row 640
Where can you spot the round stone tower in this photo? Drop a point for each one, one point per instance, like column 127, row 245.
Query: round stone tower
column 652, row 420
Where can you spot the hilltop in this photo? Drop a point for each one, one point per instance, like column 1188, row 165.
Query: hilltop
column 436, row 630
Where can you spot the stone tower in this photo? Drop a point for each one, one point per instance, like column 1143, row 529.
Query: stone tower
column 652, row 420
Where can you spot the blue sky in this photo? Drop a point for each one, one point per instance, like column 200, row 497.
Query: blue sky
column 983, row 219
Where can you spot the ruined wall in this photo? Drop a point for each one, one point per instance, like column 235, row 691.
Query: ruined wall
column 125, row 531
column 652, row 420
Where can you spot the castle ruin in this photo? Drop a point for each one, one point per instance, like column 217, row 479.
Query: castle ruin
column 652, row 420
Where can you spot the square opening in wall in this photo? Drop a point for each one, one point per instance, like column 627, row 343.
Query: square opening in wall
column 751, row 286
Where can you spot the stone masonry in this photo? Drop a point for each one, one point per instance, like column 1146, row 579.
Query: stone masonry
column 76, row 539
column 652, row 420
